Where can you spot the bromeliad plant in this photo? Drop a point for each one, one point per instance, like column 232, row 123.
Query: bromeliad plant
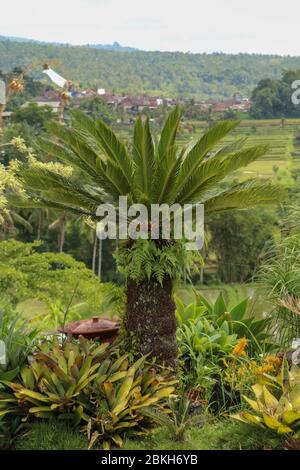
column 202, row 345
column 148, row 172
column 55, row 381
column 178, row 419
column 120, row 400
column 85, row 382
column 279, row 409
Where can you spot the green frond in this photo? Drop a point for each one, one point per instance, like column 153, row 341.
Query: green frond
column 244, row 195
column 168, row 173
column 22, row 201
column 67, row 153
column 232, row 147
column 111, row 146
column 143, row 156
column 34, row 201
column 215, row 169
column 151, row 173
column 200, row 150
column 85, row 151
column 61, row 187
column 169, row 132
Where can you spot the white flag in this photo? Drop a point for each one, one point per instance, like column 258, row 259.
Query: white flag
column 55, row 77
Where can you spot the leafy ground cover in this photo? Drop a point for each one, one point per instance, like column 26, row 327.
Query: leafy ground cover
column 217, row 435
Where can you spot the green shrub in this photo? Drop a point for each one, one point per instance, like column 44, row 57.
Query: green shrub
column 56, row 279
column 18, row 338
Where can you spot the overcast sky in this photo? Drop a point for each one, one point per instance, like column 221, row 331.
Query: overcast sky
column 263, row 26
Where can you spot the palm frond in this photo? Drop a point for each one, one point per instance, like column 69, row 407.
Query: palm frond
column 200, row 150
column 111, row 146
column 143, row 155
column 215, row 169
column 63, row 189
column 169, row 132
column 244, row 195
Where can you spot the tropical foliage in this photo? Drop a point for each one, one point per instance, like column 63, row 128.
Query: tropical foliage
column 57, row 280
column 280, row 273
column 148, row 172
column 278, row 410
column 179, row 418
column 120, row 400
column 83, row 382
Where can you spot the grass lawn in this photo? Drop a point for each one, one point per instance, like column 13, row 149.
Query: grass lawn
column 222, row 434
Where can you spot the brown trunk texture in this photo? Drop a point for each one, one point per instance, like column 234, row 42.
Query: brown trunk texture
column 150, row 317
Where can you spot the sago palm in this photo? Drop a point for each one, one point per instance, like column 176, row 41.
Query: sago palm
column 146, row 172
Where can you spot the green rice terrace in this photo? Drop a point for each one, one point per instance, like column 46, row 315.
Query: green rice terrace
column 280, row 135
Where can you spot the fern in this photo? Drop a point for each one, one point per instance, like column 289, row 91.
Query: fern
column 147, row 259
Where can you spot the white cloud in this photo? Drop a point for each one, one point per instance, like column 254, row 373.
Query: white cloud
column 190, row 25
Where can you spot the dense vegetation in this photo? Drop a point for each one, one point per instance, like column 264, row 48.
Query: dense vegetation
column 234, row 353
column 272, row 98
column 171, row 74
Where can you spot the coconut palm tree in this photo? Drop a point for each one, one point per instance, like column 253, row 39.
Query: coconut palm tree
column 148, row 172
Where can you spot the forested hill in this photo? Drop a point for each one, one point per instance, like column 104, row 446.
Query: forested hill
column 172, row 74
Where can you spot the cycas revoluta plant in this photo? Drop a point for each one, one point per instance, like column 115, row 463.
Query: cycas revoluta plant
column 148, row 172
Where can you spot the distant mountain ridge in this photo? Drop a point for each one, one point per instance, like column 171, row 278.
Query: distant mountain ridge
column 116, row 46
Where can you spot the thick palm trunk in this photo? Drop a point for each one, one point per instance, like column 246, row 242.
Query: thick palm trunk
column 150, row 317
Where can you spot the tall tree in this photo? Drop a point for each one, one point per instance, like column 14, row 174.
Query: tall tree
column 147, row 173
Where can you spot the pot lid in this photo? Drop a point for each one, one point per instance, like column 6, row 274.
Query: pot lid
column 93, row 325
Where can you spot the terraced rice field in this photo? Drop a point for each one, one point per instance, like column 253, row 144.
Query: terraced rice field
column 279, row 135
